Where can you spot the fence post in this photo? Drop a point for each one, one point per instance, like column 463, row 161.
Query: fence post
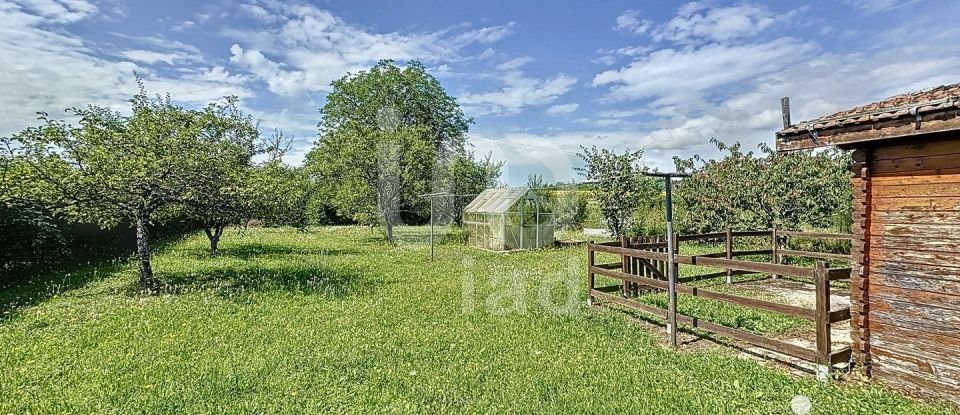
column 590, row 276
column 729, row 247
column 822, row 280
column 774, row 247
column 625, row 286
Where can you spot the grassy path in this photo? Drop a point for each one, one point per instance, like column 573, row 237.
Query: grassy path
column 333, row 321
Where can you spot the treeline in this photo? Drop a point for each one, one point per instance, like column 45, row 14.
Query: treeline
column 161, row 164
column 388, row 136
column 741, row 190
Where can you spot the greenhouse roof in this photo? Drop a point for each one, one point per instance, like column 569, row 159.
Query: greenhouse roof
column 496, row 200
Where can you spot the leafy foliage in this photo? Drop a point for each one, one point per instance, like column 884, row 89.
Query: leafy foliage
column 570, row 209
column 619, row 185
column 382, row 136
column 747, row 191
column 463, row 176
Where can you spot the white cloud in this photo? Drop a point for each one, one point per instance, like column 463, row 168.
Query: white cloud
column 696, row 22
column 520, row 91
column 515, row 63
column 151, row 57
column 46, row 68
column 562, row 108
column 873, row 6
column 59, row 11
column 681, row 75
column 631, row 22
column 306, row 48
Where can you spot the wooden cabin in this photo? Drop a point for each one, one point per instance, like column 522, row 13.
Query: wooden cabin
column 905, row 284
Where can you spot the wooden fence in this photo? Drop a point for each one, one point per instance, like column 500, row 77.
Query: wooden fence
column 643, row 266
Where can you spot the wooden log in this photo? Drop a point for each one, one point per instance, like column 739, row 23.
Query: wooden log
column 879, row 253
column 918, row 190
column 916, row 217
column 894, row 269
column 937, row 320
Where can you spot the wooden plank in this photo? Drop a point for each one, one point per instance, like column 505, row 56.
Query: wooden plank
column 839, row 315
column 917, row 190
column 936, row 299
column 916, row 217
column 609, row 266
column 941, row 374
column 810, row 254
column 790, row 310
column 839, row 274
column 879, row 253
column 751, row 252
column 756, row 340
column 749, row 233
column 906, row 164
column 917, row 149
column 815, row 235
column 922, row 341
column 914, row 243
column 899, row 380
column 930, row 231
column 915, row 283
column 916, row 204
column 701, row 236
column 895, row 269
column 943, row 176
column 937, row 320
column 740, row 265
column 840, row 356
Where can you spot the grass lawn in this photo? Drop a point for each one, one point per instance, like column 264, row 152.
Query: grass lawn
column 335, row 321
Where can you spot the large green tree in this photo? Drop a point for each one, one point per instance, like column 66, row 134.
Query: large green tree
column 113, row 168
column 382, row 133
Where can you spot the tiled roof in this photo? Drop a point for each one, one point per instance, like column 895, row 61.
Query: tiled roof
column 903, row 105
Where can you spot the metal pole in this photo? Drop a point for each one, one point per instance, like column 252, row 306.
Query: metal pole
column 431, row 229
column 671, row 275
column 538, row 226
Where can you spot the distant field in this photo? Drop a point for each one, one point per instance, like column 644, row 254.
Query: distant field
column 333, row 320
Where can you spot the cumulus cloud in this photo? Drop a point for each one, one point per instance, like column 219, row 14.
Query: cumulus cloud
column 46, row 68
column 302, row 48
column 631, row 22
column 519, row 92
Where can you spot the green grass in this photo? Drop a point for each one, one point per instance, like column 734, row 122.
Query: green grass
column 335, row 321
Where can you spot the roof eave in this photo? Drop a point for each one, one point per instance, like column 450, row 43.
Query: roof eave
column 851, row 133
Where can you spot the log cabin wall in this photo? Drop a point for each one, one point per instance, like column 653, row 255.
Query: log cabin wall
column 905, row 291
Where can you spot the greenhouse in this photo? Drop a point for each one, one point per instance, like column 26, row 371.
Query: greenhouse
column 508, row 218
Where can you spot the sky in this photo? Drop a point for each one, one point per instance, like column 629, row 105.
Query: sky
column 539, row 78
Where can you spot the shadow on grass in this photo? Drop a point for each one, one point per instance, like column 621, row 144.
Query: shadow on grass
column 292, row 277
column 27, row 291
column 253, row 250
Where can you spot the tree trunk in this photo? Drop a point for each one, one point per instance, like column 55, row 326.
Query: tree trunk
column 213, row 234
column 388, row 227
column 143, row 252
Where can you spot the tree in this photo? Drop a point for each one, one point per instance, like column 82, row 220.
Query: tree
column 748, row 191
column 381, row 134
column 620, row 185
column 570, row 209
column 219, row 195
column 113, row 168
column 466, row 176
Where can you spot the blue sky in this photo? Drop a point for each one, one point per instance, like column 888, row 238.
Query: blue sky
column 540, row 78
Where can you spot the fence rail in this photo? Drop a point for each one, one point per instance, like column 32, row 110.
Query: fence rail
column 643, row 263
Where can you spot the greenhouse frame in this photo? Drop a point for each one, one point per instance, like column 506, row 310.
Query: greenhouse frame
column 508, row 218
